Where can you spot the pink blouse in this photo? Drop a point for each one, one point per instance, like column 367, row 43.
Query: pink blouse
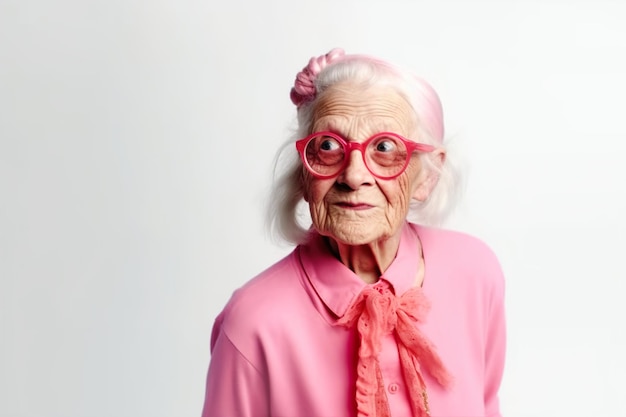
column 276, row 348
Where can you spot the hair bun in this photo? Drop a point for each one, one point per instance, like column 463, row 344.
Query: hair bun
column 304, row 89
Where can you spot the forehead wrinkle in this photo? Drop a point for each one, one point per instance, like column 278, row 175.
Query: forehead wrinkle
column 344, row 110
column 331, row 122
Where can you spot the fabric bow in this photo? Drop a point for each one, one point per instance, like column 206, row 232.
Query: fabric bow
column 377, row 312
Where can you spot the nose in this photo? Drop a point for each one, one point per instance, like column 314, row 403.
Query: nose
column 355, row 174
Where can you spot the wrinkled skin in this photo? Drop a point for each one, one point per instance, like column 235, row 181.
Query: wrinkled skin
column 360, row 214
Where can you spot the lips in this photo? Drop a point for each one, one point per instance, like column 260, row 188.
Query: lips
column 354, row 205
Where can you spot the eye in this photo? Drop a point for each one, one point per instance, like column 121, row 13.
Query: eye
column 386, row 145
column 328, row 144
column 323, row 152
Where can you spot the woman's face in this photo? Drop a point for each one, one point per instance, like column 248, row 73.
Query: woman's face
column 356, row 208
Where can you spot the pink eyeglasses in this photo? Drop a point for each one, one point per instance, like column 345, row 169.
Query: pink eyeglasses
column 386, row 155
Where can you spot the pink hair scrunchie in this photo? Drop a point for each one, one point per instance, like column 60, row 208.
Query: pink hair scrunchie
column 304, row 89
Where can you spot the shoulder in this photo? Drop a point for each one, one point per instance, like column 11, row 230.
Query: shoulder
column 452, row 240
column 267, row 292
column 258, row 307
column 460, row 252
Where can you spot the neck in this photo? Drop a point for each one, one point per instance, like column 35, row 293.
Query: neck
column 370, row 260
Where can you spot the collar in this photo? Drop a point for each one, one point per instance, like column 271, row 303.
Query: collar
column 337, row 286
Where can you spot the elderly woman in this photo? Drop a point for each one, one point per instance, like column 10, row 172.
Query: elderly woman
column 370, row 315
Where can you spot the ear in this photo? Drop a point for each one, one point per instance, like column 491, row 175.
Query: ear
column 428, row 177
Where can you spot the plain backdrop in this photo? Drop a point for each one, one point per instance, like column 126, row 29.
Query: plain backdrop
column 136, row 146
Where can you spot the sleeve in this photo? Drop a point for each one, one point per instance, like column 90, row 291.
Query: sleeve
column 234, row 387
column 495, row 348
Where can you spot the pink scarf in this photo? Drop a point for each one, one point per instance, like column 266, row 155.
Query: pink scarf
column 376, row 312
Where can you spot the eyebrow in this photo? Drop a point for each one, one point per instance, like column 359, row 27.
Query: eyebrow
column 378, row 123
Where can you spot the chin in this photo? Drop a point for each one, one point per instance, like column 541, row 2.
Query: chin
column 355, row 236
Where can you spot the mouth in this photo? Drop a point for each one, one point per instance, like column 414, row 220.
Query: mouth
column 353, row 206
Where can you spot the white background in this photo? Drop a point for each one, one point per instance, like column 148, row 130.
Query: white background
column 136, row 141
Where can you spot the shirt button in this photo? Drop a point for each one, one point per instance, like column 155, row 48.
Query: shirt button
column 393, row 388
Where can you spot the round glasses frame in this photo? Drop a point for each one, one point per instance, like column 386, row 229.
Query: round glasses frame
column 411, row 147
